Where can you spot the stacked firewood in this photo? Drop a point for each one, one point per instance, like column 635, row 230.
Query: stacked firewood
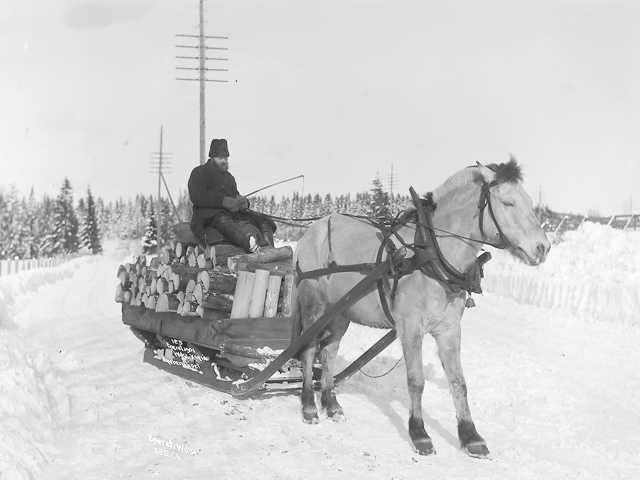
column 193, row 281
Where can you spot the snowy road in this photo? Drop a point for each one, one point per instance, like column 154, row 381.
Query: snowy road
column 555, row 397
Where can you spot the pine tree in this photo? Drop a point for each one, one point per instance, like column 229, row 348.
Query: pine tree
column 64, row 238
column 45, row 227
column 150, row 239
column 90, row 230
column 379, row 204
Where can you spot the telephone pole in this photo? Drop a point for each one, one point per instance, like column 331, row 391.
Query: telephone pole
column 392, row 181
column 160, row 163
column 202, row 58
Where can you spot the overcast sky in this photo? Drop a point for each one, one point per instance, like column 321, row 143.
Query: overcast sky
column 337, row 90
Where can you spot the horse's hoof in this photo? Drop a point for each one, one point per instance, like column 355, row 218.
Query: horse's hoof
column 424, row 446
column 477, row 450
column 337, row 416
column 310, row 418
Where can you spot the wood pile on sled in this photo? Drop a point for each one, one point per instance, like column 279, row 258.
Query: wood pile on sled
column 219, row 281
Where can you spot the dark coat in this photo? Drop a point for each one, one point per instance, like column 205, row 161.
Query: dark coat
column 208, row 185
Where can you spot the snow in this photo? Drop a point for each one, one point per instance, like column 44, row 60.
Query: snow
column 555, row 392
column 593, row 272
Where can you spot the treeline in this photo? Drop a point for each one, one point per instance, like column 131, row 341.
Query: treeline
column 33, row 227
column 45, row 227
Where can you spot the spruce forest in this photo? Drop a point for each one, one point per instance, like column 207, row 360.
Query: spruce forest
column 32, row 227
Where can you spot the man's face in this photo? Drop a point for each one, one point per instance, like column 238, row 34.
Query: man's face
column 222, row 163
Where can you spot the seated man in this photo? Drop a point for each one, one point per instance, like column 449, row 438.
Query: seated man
column 217, row 203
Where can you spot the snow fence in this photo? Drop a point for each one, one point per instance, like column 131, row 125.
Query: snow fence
column 594, row 271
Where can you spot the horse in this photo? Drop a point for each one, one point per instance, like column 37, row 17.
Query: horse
column 422, row 304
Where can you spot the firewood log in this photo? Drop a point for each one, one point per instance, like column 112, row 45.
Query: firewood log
column 160, row 272
column 179, row 250
column 166, row 255
column 225, row 250
column 167, row 303
column 210, row 254
column 258, row 295
column 217, row 282
column 133, row 286
column 151, row 302
column 162, row 286
column 288, row 294
column 198, row 293
column 153, row 286
column 273, row 293
column 119, row 297
column 182, row 260
column 267, row 254
column 136, row 300
column 242, row 295
column 276, row 268
column 189, row 309
column 154, row 263
column 203, row 262
column 220, row 302
column 192, row 259
column 121, row 269
column 126, row 297
column 123, row 276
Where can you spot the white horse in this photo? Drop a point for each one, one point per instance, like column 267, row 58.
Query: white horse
column 422, row 304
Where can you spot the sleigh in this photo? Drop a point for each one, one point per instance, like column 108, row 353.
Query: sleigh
column 224, row 319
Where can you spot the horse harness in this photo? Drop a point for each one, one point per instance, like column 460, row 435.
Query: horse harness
column 427, row 257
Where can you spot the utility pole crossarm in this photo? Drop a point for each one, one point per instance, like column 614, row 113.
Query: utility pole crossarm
column 201, row 58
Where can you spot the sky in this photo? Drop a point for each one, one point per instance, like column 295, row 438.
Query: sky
column 339, row 91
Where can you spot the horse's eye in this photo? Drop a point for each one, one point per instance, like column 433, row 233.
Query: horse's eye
column 508, row 204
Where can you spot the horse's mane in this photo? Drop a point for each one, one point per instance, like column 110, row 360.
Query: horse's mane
column 506, row 172
column 498, row 172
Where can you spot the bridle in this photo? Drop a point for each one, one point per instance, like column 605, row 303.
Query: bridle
column 484, row 202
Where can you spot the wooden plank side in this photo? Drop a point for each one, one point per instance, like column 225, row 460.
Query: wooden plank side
column 249, row 334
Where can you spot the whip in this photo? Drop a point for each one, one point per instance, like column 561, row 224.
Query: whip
column 274, row 184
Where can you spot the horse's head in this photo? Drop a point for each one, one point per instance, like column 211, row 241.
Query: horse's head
column 505, row 212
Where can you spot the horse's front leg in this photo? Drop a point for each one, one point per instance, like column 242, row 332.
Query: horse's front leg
column 411, row 338
column 449, row 351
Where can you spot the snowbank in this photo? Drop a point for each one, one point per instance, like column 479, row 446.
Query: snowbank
column 28, row 281
column 594, row 271
column 33, row 401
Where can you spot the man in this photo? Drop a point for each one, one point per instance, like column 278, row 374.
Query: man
column 217, row 203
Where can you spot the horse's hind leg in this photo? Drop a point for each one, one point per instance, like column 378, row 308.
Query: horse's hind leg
column 328, row 356
column 449, row 352
column 307, row 397
column 411, row 338
column 310, row 307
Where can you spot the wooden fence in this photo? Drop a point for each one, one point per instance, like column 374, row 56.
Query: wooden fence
column 9, row 267
column 560, row 222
